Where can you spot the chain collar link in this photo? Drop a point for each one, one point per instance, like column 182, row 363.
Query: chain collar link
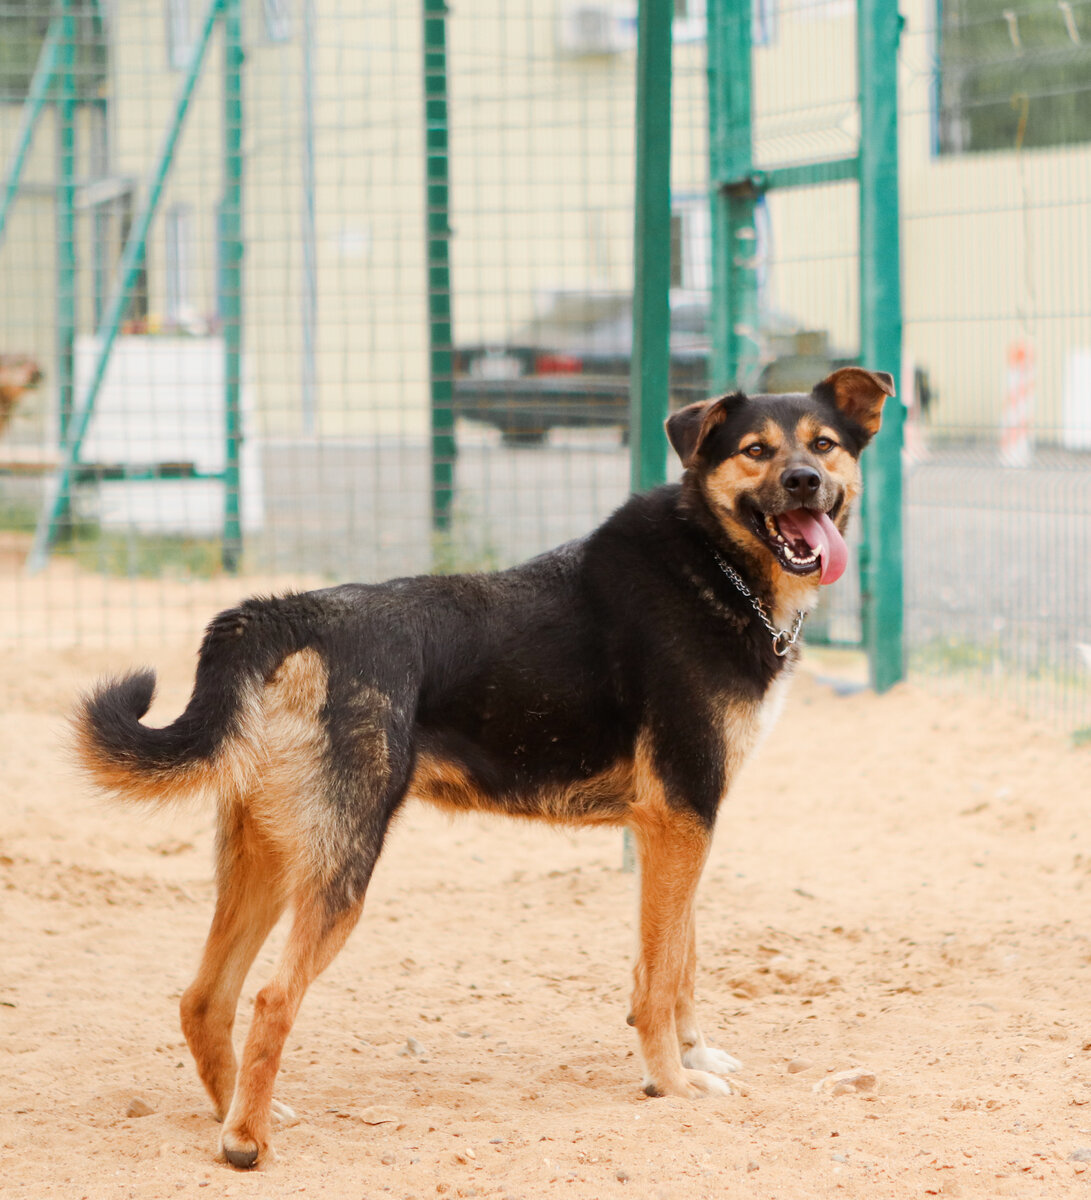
column 783, row 639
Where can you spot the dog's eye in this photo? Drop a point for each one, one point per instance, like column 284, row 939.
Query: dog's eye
column 754, row 450
column 823, row 445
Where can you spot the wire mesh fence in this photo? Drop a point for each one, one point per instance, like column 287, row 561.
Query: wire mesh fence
column 282, row 310
column 335, row 402
column 996, row 164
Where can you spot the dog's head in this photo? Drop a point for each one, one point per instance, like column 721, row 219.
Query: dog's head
column 779, row 473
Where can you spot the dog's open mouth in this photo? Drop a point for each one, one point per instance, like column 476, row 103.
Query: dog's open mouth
column 804, row 540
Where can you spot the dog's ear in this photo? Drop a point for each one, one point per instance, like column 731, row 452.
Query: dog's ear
column 688, row 429
column 859, row 394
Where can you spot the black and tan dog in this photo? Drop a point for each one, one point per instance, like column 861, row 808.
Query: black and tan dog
column 621, row 680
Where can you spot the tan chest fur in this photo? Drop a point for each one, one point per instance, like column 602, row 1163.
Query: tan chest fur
column 747, row 725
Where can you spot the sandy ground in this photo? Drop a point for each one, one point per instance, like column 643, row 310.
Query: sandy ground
column 899, row 885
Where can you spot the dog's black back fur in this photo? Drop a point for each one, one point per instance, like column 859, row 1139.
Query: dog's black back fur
column 530, row 677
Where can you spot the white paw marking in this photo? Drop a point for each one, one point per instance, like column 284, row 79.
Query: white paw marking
column 708, row 1058
column 691, row 1085
column 713, row 1085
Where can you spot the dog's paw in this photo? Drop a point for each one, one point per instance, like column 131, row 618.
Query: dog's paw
column 708, row 1058
column 243, row 1149
column 689, row 1084
column 282, row 1115
column 240, row 1152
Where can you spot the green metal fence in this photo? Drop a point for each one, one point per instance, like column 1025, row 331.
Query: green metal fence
column 749, row 169
column 331, row 291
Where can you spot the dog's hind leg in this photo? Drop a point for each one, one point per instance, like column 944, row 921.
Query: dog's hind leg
column 317, row 934
column 337, row 765
column 672, row 845
column 250, row 898
column 696, row 1052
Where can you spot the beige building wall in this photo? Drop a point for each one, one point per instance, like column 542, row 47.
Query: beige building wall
column 371, row 349
column 543, row 163
column 994, row 245
column 371, row 335
column 804, row 97
column 994, row 248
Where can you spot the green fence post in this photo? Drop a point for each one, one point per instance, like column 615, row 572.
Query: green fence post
column 231, row 278
column 40, row 83
column 879, row 26
column 438, row 234
column 66, row 217
column 735, row 317
column 101, row 258
column 649, row 383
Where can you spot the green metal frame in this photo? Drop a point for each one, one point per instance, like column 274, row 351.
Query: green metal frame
column 38, row 92
column 58, row 486
column 650, row 385
column 231, row 278
column 649, row 400
column 734, row 195
column 879, row 27
column 438, row 232
column 66, row 216
column 736, row 189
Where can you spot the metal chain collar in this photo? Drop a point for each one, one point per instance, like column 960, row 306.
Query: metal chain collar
column 783, row 639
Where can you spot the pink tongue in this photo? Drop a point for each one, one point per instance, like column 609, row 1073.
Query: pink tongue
column 823, row 537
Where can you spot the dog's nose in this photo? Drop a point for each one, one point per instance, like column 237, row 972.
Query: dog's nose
column 802, row 482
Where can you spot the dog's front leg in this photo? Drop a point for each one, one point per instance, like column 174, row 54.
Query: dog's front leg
column 672, row 846
column 696, row 1052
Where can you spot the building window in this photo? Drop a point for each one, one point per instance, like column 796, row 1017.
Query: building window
column 179, row 33
column 179, row 232
column 278, row 19
column 137, row 310
column 689, row 21
column 677, row 254
column 1012, row 75
column 763, row 22
column 23, row 28
column 691, row 244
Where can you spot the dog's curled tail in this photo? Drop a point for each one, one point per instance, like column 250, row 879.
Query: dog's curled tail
column 216, row 744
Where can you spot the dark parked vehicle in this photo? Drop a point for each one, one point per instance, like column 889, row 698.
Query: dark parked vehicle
column 570, row 366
